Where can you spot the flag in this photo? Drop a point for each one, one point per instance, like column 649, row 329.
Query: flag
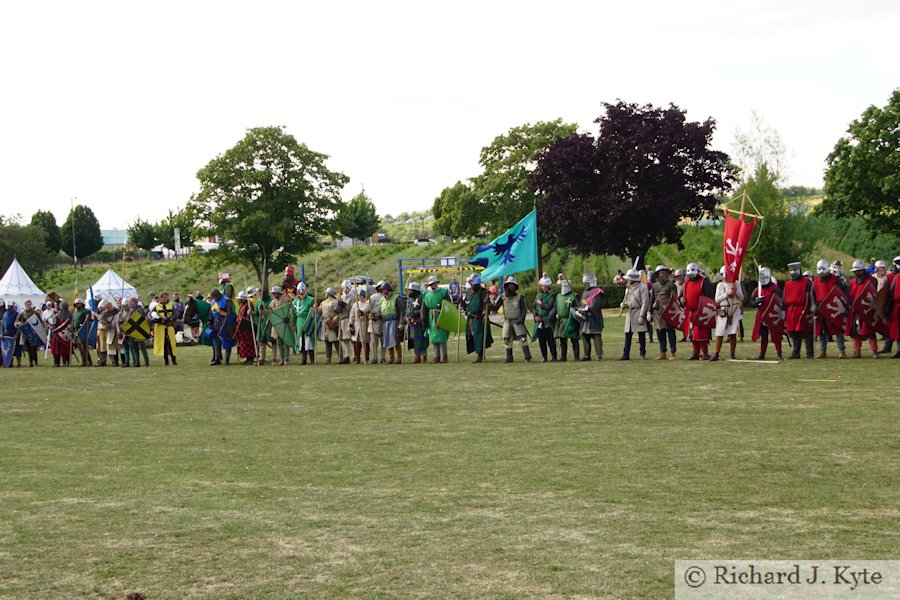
column 736, row 238
column 512, row 252
column 136, row 327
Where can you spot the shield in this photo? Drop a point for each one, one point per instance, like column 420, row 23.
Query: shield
column 865, row 305
column 450, row 319
column 136, row 327
column 705, row 317
column 833, row 309
column 773, row 313
column 87, row 333
column 8, row 348
column 673, row 314
column 34, row 334
column 280, row 319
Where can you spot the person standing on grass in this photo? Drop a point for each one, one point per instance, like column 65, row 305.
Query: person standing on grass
column 163, row 318
column 243, row 334
column 567, row 326
column 418, row 338
column 883, row 281
column 282, row 350
column 345, row 303
column 328, row 331
column 696, row 286
column 858, row 329
column 894, row 291
column 636, row 305
column 545, row 311
column 108, row 334
column 662, row 293
column 392, row 309
column 305, row 316
column 454, row 292
column 729, row 297
column 61, row 341
column 359, row 326
column 590, row 315
column 81, row 318
column 798, row 307
column 823, row 287
column 514, row 314
column 475, row 304
column 376, row 325
column 760, row 299
column 222, row 320
column 432, row 299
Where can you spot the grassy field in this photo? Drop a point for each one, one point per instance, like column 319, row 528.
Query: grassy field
column 557, row 480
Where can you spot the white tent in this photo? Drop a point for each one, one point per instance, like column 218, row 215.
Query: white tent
column 16, row 286
column 112, row 287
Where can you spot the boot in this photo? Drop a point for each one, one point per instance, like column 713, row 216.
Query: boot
column 115, row 360
column 312, row 356
column 509, row 355
column 552, row 358
column 444, row 359
column 480, row 359
column 856, row 354
column 842, row 354
column 399, row 355
column 896, row 354
column 562, row 354
column 672, row 356
column 418, row 360
column 390, row 356
column 662, row 356
column 527, row 352
column 302, row 358
column 822, row 354
column 575, row 352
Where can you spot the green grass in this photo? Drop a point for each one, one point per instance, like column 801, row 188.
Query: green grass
column 455, row 481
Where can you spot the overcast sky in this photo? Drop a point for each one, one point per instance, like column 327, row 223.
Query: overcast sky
column 119, row 104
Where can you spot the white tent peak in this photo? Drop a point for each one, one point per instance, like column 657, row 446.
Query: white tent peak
column 111, row 286
column 16, row 286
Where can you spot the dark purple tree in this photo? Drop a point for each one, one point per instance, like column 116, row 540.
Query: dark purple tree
column 630, row 188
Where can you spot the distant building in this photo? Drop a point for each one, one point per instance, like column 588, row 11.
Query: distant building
column 114, row 238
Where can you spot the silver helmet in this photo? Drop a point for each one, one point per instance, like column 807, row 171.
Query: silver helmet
column 765, row 275
column 858, row 265
column 836, row 269
column 565, row 286
column 822, row 267
column 692, row 270
column 633, row 275
column 589, row 280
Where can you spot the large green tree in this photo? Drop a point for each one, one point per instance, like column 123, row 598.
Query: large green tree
column 165, row 229
column 142, row 234
column 358, row 219
column 26, row 243
column 502, row 188
column 268, row 198
column 88, row 238
column 863, row 174
column 45, row 220
column 458, row 212
column 785, row 234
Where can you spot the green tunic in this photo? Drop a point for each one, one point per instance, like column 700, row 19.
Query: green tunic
column 263, row 329
column 432, row 300
column 475, row 325
column 303, row 312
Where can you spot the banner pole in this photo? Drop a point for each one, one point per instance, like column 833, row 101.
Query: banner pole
column 459, row 264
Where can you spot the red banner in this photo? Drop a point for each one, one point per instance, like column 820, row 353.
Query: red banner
column 736, row 239
column 833, row 309
column 673, row 314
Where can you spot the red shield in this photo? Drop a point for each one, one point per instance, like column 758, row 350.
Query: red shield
column 866, row 308
column 834, row 309
column 705, row 316
column 674, row 313
column 772, row 314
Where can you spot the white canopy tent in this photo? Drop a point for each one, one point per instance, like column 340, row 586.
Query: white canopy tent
column 112, row 287
column 16, row 286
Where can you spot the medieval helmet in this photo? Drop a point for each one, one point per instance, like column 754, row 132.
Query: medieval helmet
column 242, row 295
column 565, row 286
column 414, row 286
column 794, row 269
column 387, row 286
column 289, row 271
column 633, row 275
column 679, row 273
column 545, row 281
column 692, row 270
column 589, row 280
column 836, row 268
column 276, row 289
column 509, row 281
column 822, row 267
column 858, row 265
column 431, row 281
column 765, row 275
column 301, row 287
column 661, row 268
column 379, row 285
column 879, row 264
column 331, row 292
column 362, row 292
column 346, row 284
column 78, row 301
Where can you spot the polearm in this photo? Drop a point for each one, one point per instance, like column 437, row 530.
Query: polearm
column 633, row 268
column 315, row 310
